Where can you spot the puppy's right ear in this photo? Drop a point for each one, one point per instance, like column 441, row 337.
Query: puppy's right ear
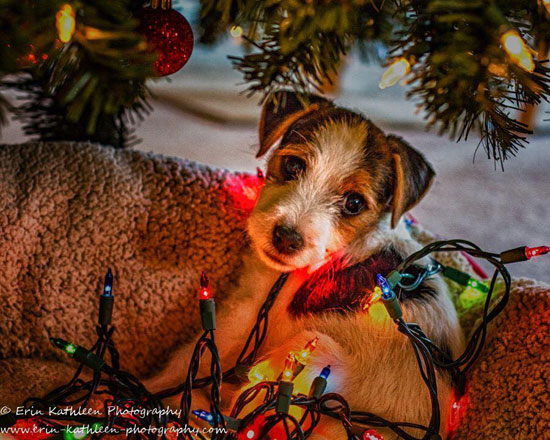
column 280, row 111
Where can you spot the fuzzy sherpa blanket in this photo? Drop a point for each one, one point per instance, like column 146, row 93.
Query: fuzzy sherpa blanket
column 70, row 211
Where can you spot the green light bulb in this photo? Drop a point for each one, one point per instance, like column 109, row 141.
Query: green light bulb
column 478, row 285
column 70, row 349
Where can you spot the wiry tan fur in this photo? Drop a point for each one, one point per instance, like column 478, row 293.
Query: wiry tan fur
column 373, row 364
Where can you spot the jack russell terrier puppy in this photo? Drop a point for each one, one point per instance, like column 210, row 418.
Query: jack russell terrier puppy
column 336, row 187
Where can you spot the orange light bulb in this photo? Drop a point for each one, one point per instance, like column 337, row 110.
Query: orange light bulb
column 288, row 370
column 304, row 355
column 517, row 50
column 394, row 73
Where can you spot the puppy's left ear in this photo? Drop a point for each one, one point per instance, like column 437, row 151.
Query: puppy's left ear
column 280, row 111
column 413, row 176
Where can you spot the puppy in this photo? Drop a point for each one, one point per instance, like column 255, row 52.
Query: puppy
column 336, row 187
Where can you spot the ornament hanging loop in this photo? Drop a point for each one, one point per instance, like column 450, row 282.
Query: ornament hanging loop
column 161, row 4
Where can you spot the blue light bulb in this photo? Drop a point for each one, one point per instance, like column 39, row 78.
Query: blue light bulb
column 325, row 372
column 204, row 415
column 108, row 285
column 384, row 287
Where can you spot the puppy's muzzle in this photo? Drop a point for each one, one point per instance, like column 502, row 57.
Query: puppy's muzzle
column 287, row 240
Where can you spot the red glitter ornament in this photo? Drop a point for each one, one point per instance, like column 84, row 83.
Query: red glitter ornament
column 168, row 34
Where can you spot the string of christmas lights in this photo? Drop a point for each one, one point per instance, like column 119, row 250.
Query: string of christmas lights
column 272, row 417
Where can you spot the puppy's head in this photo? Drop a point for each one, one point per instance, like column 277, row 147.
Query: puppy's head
column 334, row 183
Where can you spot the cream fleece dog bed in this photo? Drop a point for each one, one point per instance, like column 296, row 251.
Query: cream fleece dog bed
column 68, row 211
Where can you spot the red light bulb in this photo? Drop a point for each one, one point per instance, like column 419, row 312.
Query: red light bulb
column 260, row 173
column 536, row 251
column 204, row 291
column 371, row 434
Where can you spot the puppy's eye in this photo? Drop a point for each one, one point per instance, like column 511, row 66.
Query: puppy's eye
column 292, row 167
column 354, row 204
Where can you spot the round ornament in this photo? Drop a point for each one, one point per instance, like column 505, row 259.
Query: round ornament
column 168, row 34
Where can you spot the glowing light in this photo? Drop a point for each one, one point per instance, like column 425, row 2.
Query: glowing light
column 546, row 4
column 395, row 72
column 304, row 355
column 65, row 23
column 536, row 251
column 457, row 412
column 250, row 433
column 387, row 293
column 108, row 285
column 204, row 415
column 497, row 69
column 288, row 370
column 260, row 373
column 325, row 372
column 96, row 427
column 371, row 434
column 260, row 173
column 243, row 190
column 236, row 32
column 70, row 349
column 378, row 313
column 478, row 285
column 470, row 297
column 373, row 298
column 71, row 433
column 517, row 50
column 80, row 434
column 204, row 291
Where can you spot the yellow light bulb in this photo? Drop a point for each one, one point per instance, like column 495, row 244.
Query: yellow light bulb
column 236, row 31
column 65, row 23
column 373, row 298
column 546, row 4
column 517, row 50
column 395, row 72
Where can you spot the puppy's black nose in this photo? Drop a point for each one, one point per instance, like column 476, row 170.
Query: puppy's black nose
column 287, row 240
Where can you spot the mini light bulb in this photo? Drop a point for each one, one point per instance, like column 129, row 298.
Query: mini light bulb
column 303, row 356
column 65, row 23
column 325, row 372
column 373, row 298
column 204, row 415
column 384, row 287
column 546, row 4
column 517, row 50
column 250, row 434
column 478, row 285
column 259, row 173
column 536, row 251
column 108, row 285
column 288, row 370
column 204, row 290
column 371, row 434
column 67, row 347
column 394, row 73
column 236, row 31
